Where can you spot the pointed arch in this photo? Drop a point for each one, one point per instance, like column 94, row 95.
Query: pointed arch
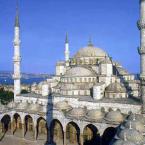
column 72, row 133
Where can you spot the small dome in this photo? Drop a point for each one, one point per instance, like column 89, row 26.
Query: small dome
column 122, row 142
column 116, row 88
column 63, row 105
column 95, row 115
column 79, row 71
column 135, row 124
column 22, row 105
column 77, row 112
column 131, row 135
column 35, row 107
column 114, row 116
column 12, row 105
column 90, row 51
column 138, row 117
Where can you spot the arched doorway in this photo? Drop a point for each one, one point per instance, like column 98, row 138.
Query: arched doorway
column 42, row 131
column 56, row 132
column 91, row 135
column 72, row 134
column 29, row 127
column 17, row 125
column 108, row 135
column 6, row 124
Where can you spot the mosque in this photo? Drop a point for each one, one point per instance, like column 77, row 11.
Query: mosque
column 91, row 99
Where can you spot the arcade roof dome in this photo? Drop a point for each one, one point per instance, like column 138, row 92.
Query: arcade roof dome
column 22, row 105
column 35, row 107
column 63, row 105
column 114, row 116
column 12, row 105
column 95, row 115
column 77, row 112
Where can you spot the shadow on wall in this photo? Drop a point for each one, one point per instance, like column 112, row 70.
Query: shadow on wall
column 50, row 124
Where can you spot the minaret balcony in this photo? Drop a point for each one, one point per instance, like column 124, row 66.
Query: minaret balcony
column 16, row 76
column 16, row 58
column 141, row 50
column 141, row 24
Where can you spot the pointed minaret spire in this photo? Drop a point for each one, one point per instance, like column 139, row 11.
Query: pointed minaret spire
column 66, row 38
column 67, row 53
column 17, row 56
column 17, row 15
column 90, row 42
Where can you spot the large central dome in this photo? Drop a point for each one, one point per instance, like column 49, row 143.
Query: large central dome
column 90, row 51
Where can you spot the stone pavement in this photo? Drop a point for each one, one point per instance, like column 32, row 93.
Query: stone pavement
column 12, row 140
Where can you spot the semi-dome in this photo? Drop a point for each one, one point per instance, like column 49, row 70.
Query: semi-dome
column 77, row 112
column 131, row 135
column 95, row 115
column 79, row 71
column 63, row 105
column 90, row 51
column 114, row 116
column 116, row 88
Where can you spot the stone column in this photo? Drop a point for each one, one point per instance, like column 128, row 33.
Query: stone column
column 23, row 130
column 12, row 128
column 64, row 139
column 35, row 132
column 81, row 139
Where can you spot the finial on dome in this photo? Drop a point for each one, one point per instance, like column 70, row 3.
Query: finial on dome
column 66, row 38
column 130, row 125
column 134, row 117
column 90, row 42
column 17, row 15
column 125, row 136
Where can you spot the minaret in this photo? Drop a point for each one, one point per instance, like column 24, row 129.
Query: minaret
column 67, row 53
column 17, row 57
column 141, row 50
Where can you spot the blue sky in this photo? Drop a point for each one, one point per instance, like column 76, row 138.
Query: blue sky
column 111, row 24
